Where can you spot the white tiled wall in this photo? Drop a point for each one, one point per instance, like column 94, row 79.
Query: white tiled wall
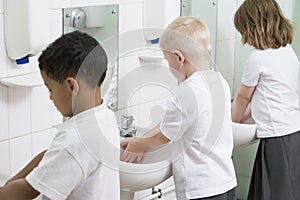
column 243, row 159
column 3, row 59
column 27, row 114
column 1, row 6
column 41, row 141
column 19, row 153
column 19, row 110
column 4, row 158
column 226, row 40
column 225, row 27
column 225, row 58
column 40, row 101
column 3, row 113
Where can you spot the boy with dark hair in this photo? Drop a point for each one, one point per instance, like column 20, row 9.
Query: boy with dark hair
column 76, row 165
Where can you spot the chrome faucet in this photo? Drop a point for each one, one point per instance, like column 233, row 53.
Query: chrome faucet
column 127, row 129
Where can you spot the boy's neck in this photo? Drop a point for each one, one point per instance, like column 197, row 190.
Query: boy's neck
column 89, row 99
column 192, row 68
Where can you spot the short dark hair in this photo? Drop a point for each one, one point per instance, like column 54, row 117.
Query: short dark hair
column 75, row 54
column 263, row 25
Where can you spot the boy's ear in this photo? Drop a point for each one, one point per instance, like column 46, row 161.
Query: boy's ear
column 179, row 56
column 72, row 85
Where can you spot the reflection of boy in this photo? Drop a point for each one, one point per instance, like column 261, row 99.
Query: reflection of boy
column 202, row 165
column 76, row 165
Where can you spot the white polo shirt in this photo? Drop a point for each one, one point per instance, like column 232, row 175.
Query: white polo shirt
column 201, row 135
column 275, row 102
column 82, row 161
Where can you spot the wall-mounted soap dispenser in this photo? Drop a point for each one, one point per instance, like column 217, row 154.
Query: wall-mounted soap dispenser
column 86, row 17
column 26, row 28
column 77, row 18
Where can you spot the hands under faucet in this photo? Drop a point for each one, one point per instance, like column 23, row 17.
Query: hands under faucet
column 134, row 150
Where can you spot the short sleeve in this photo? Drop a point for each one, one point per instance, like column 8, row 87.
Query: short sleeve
column 252, row 70
column 175, row 121
column 57, row 174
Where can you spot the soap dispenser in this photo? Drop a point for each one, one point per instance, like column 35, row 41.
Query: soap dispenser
column 78, row 18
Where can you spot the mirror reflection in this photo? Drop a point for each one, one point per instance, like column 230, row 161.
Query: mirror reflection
column 101, row 22
column 207, row 12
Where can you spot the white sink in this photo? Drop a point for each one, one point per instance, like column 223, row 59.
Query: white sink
column 243, row 134
column 155, row 169
column 3, row 179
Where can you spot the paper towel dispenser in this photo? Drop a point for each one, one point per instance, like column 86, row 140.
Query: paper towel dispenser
column 26, row 28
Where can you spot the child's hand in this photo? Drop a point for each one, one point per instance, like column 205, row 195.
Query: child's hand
column 247, row 114
column 133, row 150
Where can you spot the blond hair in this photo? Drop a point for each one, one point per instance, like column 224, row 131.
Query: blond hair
column 263, row 25
column 187, row 34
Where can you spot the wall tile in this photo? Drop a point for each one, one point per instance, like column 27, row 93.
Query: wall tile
column 241, row 54
column 3, row 58
column 80, row 3
column 19, row 111
column 126, row 66
column 41, row 141
column 41, row 109
column 34, row 65
column 3, row 113
column 242, row 187
column 243, row 159
column 20, row 153
column 56, row 23
column 147, row 115
column 230, row 83
column 4, row 159
column 143, row 82
column 131, row 17
column 1, row 6
column 55, row 4
column 225, row 58
column 225, row 25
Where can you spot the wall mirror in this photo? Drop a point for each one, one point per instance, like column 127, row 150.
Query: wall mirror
column 206, row 10
column 101, row 22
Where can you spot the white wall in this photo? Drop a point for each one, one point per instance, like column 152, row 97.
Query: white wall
column 27, row 114
column 226, row 40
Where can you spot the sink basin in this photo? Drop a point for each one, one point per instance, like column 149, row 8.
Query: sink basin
column 243, row 134
column 156, row 166
column 3, row 179
column 155, row 169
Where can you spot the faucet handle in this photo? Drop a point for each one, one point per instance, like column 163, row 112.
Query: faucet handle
column 126, row 121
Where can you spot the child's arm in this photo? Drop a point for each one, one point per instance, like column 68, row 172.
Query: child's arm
column 28, row 168
column 241, row 103
column 247, row 114
column 18, row 189
column 136, row 147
